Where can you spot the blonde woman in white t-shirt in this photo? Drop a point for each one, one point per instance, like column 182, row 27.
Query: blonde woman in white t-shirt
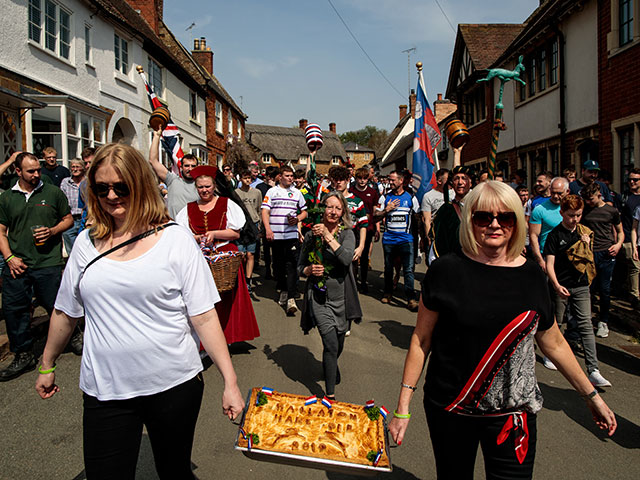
column 147, row 306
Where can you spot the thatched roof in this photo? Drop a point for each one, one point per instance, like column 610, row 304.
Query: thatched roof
column 287, row 144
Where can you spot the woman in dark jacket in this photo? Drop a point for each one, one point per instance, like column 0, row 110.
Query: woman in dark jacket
column 330, row 285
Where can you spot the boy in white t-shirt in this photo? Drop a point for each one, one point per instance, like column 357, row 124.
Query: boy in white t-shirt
column 282, row 208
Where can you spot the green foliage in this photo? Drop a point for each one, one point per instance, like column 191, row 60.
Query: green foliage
column 262, row 399
column 256, row 439
column 373, row 413
column 370, row 136
column 371, row 456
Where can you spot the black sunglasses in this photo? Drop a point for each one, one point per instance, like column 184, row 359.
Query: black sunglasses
column 102, row 189
column 484, row 219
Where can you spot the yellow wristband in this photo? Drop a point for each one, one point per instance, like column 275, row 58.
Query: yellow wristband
column 9, row 258
column 400, row 415
column 44, row 372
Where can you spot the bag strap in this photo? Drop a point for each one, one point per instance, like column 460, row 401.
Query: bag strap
column 127, row 242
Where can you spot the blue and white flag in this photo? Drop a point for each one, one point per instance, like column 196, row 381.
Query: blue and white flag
column 426, row 137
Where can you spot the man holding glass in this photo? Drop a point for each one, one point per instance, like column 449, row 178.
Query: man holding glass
column 33, row 216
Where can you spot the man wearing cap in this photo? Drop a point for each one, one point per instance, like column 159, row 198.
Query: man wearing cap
column 590, row 171
column 180, row 191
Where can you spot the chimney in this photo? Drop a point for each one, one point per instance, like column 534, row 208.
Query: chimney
column 303, row 123
column 412, row 103
column 332, row 127
column 203, row 54
column 149, row 10
column 439, row 97
column 403, row 111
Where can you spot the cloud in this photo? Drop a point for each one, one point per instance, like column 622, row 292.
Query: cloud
column 260, row 67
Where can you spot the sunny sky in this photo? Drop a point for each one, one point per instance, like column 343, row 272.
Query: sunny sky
column 283, row 60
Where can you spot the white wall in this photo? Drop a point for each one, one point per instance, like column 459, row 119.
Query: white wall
column 97, row 83
column 581, row 67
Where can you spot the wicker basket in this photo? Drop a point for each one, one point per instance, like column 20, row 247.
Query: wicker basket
column 224, row 267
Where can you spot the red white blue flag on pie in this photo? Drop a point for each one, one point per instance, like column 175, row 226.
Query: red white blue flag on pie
column 426, row 137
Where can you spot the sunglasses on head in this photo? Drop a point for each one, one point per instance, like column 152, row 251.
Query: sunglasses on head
column 102, row 189
column 484, row 219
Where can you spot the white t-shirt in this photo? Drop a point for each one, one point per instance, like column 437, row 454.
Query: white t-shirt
column 235, row 219
column 282, row 202
column 433, row 200
column 138, row 337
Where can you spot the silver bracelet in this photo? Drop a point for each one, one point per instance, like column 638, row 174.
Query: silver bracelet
column 404, row 385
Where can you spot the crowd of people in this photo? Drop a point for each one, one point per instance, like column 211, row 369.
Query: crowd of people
column 540, row 258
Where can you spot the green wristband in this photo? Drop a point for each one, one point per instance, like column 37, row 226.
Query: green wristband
column 44, row 372
column 400, row 415
column 9, row 258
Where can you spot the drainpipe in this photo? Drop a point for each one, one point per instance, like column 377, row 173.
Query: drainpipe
column 563, row 101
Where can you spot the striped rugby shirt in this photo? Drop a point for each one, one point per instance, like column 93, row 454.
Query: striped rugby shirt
column 283, row 202
column 359, row 217
column 398, row 221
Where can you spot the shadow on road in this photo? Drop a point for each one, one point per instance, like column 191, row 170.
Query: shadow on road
column 627, row 434
column 399, row 335
column 398, row 473
column 618, row 359
column 299, row 364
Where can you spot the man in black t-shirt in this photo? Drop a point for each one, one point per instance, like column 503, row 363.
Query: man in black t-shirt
column 631, row 201
column 566, row 250
column 602, row 219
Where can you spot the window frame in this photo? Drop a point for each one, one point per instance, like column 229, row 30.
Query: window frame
column 218, row 117
column 51, row 30
column 117, row 48
column 88, row 46
column 155, row 77
column 193, row 106
column 625, row 25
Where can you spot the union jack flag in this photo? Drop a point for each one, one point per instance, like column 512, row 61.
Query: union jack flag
column 170, row 140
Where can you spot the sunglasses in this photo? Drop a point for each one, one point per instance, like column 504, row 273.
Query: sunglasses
column 484, row 219
column 102, row 189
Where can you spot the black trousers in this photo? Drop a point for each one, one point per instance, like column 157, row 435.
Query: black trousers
column 332, row 343
column 364, row 259
column 113, row 432
column 455, row 439
column 285, row 264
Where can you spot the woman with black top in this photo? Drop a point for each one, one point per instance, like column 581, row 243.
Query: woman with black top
column 330, row 290
column 480, row 312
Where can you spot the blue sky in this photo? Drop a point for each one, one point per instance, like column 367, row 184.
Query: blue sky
column 283, row 60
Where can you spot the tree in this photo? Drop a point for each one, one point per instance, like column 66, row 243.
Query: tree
column 370, row 136
column 240, row 154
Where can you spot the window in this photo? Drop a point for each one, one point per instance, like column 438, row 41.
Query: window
column 335, row 160
column 555, row 161
column 553, row 67
column 532, row 76
column 121, row 54
column 238, row 128
column 625, row 26
column 218, row 117
column 542, row 75
column 219, row 160
column 367, row 156
column 267, row 158
column 474, row 108
column 83, row 129
column 627, row 160
column 155, row 78
column 202, row 154
column 193, row 106
column 229, row 122
column 87, row 44
column 52, row 20
column 303, row 159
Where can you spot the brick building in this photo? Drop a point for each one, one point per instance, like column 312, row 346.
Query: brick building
column 359, row 155
column 581, row 99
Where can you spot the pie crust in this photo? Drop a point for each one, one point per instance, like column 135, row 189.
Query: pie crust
column 285, row 424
